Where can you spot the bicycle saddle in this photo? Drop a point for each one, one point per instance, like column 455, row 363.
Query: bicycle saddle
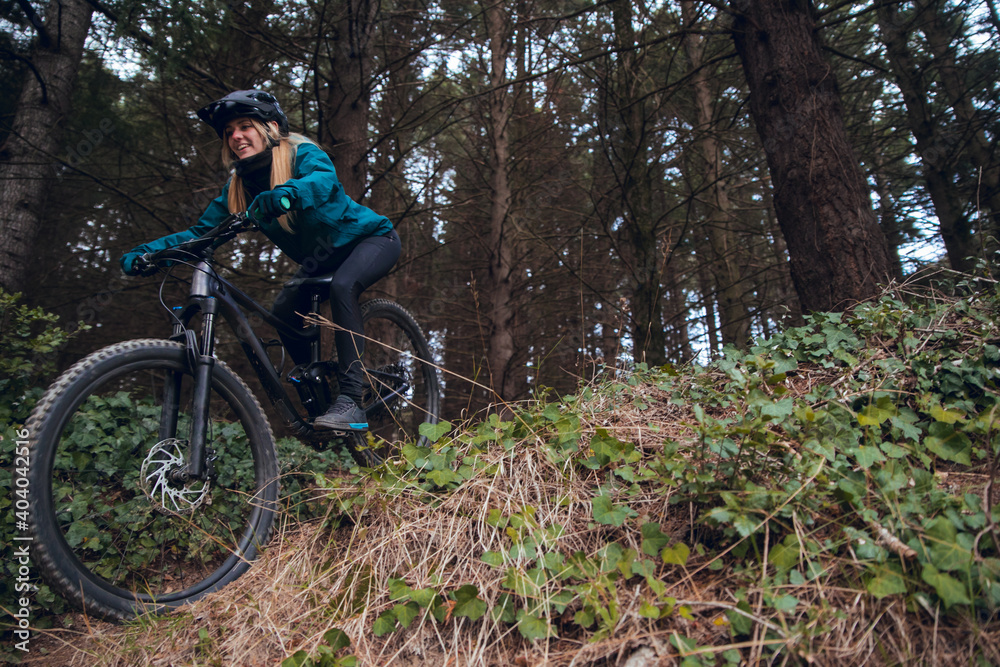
column 315, row 285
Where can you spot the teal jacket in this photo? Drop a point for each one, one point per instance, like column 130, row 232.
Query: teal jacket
column 323, row 216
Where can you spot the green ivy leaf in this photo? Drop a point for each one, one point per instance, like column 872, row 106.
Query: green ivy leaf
column 643, row 568
column 893, row 451
column 561, row 600
column 552, row 412
column 676, row 555
column 906, row 427
column 504, row 609
column 770, row 409
column 785, row 555
column 496, row 519
column 887, row 581
column 526, row 585
column 337, row 639
column 744, row 525
column 610, row 556
column 468, row 604
column 405, row 613
column 949, row 589
column 785, row 603
column 584, row 618
column 492, row 558
column 738, row 623
column 607, row 448
column 297, row 659
column 950, row 550
column 949, row 444
column 656, row 586
column 610, row 514
column 442, row 477
column 683, row 645
column 423, row 596
column 946, row 416
column 872, row 415
column 719, row 515
column 531, row 627
column 653, row 539
column 868, row 455
column 434, row 432
column 648, row 610
column 553, row 561
column 384, row 624
column 398, row 590
column 416, row 456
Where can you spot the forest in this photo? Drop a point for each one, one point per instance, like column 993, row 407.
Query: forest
column 577, row 184
column 727, row 265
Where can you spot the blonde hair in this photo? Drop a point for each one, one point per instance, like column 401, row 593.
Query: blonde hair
column 282, row 159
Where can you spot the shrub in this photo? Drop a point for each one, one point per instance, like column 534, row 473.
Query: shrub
column 29, row 341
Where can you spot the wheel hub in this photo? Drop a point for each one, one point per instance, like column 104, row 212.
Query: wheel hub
column 157, row 479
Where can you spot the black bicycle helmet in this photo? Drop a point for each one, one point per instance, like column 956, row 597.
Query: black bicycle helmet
column 244, row 103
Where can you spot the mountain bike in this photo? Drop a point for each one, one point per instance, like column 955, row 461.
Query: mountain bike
column 153, row 477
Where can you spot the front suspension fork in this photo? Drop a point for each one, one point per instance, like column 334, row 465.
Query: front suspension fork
column 201, row 358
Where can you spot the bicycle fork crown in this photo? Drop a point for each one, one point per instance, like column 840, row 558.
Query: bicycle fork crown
column 202, row 280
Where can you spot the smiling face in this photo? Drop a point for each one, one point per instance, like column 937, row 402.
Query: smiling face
column 243, row 138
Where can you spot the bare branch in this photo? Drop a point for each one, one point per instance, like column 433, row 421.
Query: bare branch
column 145, row 39
column 36, row 21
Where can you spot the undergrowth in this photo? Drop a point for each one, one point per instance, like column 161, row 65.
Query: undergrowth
column 826, row 496
column 30, row 339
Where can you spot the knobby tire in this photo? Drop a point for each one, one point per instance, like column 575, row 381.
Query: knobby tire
column 102, row 536
column 395, row 343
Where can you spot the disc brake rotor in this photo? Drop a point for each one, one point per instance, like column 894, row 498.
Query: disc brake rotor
column 166, row 495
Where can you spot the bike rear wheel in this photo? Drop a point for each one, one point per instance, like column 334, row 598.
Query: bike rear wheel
column 112, row 530
column 401, row 382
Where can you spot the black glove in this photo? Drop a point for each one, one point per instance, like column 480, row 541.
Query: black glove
column 134, row 264
column 271, row 203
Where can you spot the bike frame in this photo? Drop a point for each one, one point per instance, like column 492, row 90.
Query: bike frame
column 210, row 295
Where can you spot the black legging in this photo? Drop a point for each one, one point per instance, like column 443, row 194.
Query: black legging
column 355, row 268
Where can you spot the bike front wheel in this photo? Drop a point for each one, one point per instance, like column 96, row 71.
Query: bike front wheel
column 113, row 529
column 401, row 381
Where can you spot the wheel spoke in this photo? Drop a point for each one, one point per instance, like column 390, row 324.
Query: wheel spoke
column 121, row 527
column 402, row 390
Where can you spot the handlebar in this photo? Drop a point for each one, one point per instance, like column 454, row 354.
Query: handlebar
column 227, row 230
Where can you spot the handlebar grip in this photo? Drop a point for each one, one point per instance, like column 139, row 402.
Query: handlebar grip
column 143, row 264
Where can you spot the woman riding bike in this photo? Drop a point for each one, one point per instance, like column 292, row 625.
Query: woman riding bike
column 302, row 207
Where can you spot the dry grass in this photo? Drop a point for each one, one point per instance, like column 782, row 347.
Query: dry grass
column 335, row 573
column 313, row 578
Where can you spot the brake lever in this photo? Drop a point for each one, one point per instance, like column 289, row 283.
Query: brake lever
column 243, row 222
column 144, row 265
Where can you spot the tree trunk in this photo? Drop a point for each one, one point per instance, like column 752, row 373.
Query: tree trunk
column 708, row 297
column 390, row 191
column 676, row 311
column 500, row 271
column 638, row 238
column 28, row 158
column 725, row 245
column 942, row 39
column 887, row 216
column 935, row 150
column 346, row 99
column 837, row 251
